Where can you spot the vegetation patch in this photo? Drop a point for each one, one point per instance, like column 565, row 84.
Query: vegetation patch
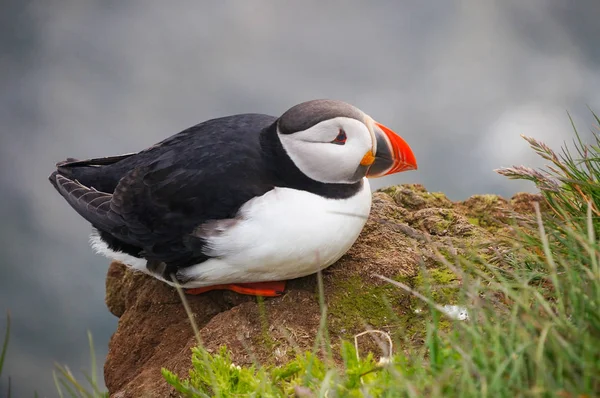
column 355, row 304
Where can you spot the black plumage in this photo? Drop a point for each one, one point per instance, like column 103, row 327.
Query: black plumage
column 148, row 204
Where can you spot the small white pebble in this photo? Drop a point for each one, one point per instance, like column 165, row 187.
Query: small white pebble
column 279, row 353
column 456, row 312
column 384, row 361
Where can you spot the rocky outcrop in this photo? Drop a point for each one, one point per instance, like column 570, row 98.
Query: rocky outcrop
column 406, row 226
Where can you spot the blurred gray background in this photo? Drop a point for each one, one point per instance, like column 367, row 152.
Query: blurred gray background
column 459, row 80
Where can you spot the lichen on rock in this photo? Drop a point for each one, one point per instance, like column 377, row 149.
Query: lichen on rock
column 407, row 230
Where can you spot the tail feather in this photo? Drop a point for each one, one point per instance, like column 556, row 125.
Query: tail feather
column 87, row 186
column 92, row 173
column 91, row 204
column 52, row 179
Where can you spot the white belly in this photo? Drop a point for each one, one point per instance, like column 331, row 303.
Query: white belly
column 283, row 234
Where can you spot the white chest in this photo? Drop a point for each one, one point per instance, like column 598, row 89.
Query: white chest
column 283, row 234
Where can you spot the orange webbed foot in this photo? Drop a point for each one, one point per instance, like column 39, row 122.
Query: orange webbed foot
column 265, row 289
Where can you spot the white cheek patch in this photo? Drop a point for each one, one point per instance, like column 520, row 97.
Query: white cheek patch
column 313, row 153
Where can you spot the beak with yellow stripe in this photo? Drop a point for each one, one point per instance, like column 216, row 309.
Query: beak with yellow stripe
column 391, row 153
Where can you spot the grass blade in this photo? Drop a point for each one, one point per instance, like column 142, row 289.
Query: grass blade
column 5, row 343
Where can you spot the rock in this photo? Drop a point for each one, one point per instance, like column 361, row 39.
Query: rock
column 523, row 202
column 415, row 197
column 487, row 210
column 405, row 224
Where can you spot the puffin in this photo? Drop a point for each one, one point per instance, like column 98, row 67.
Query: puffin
column 242, row 202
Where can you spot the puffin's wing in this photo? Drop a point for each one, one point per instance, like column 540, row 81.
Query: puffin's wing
column 138, row 212
column 167, row 200
column 155, row 199
column 156, row 207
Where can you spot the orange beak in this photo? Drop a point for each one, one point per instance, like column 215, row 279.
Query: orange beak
column 393, row 154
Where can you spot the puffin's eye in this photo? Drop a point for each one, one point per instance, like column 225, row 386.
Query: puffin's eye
column 340, row 139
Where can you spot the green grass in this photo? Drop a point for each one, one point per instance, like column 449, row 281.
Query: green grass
column 67, row 384
column 3, row 352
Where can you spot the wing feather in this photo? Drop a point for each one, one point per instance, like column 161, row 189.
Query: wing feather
column 165, row 192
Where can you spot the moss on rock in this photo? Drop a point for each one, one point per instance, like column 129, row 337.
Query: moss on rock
column 357, row 302
column 416, row 197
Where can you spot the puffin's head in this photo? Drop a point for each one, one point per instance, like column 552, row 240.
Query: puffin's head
column 335, row 142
